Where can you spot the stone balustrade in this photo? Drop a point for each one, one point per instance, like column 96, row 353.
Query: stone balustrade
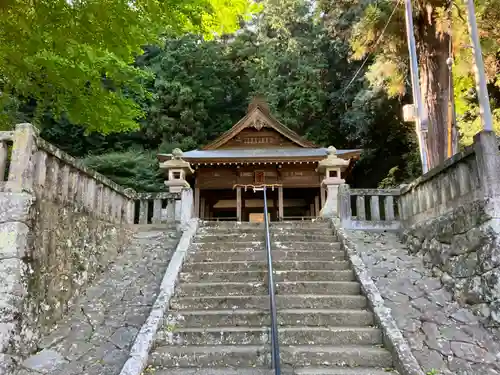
column 53, row 175
column 61, row 178
column 155, row 208
column 456, row 182
column 369, row 209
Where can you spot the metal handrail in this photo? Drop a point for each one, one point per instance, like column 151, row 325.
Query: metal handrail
column 275, row 350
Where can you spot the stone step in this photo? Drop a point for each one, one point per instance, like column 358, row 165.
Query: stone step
column 290, row 235
column 238, row 356
column 326, row 355
column 285, row 371
column 306, row 246
column 260, row 230
column 284, row 265
column 261, row 255
column 260, row 245
column 221, row 289
column 296, row 224
column 260, row 336
column 318, row 287
column 198, row 289
column 215, row 371
column 239, row 276
column 257, row 318
column 211, row 356
column 305, row 301
column 340, row 371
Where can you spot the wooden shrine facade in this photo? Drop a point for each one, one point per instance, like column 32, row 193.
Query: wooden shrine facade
column 257, row 150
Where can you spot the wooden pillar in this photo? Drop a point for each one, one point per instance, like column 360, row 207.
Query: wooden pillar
column 317, row 208
column 238, row 203
column 208, row 214
column 202, row 208
column 280, row 204
column 196, row 202
column 311, row 209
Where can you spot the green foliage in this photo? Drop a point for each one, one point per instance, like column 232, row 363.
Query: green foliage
column 194, row 89
column 362, row 23
column 135, row 169
column 198, row 92
column 75, row 57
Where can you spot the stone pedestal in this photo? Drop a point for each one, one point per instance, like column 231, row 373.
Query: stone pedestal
column 186, row 207
column 331, row 209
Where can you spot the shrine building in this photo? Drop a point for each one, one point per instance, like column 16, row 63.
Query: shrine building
column 258, row 150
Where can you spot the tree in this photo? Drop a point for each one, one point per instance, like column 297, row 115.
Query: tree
column 435, row 23
column 197, row 92
column 76, row 57
column 200, row 88
column 136, row 169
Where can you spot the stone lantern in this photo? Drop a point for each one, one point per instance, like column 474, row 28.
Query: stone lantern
column 178, row 170
column 332, row 167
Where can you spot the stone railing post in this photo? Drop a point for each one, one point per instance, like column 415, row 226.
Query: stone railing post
column 488, row 162
column 344, row 205
column 129, row 206
column 21, row 172
column 186, row 206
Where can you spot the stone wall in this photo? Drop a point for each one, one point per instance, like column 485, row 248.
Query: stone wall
column 451, row 216
column 60, row 225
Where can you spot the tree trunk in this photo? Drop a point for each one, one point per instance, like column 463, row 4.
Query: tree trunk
column 433, row 52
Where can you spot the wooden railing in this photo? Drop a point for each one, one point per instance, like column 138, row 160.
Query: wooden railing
column 369, row 209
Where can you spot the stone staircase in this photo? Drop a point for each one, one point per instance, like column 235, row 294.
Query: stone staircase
column 219, row 319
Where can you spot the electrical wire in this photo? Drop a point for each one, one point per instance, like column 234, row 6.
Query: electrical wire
column 376, row 44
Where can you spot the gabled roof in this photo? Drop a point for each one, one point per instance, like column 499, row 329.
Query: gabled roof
column 258, row 117
column 269, row 155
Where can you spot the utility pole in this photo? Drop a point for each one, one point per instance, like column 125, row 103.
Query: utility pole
column 482, row 90
column 421, row 118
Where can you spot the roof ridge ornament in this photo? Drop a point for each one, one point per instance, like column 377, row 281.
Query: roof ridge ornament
column 260, row 102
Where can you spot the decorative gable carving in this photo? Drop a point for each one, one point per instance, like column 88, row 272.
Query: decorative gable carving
column 259, row 123
column 259, row 119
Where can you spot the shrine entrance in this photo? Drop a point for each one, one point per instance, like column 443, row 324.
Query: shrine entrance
column 240, row 204
column 258, row 150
